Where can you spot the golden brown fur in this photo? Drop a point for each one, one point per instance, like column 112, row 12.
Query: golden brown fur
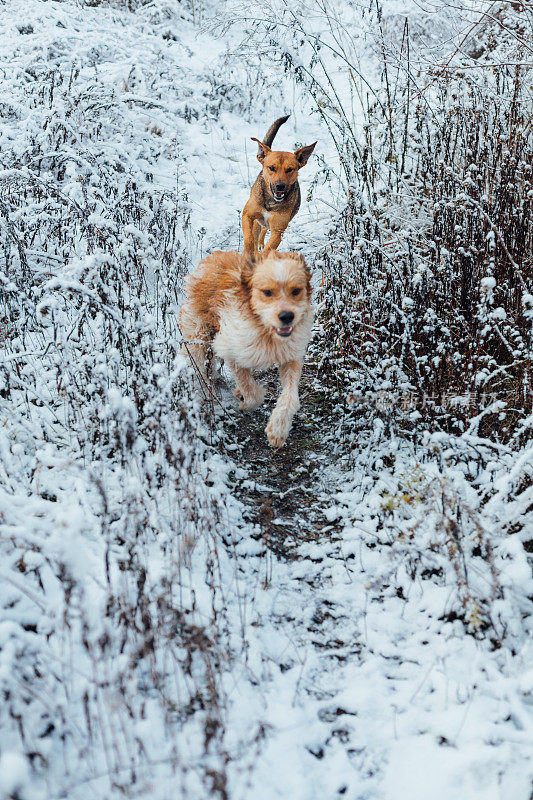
column 207, row 286
column 255, row 318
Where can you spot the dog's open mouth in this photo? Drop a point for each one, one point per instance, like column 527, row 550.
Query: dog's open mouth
column 284, row 331
column 278, row 196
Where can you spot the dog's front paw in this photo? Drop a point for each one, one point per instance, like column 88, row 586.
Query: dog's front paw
column 278, row 429
column 251, row 400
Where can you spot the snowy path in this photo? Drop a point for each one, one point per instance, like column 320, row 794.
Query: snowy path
column 338, row 670
column 366, row 691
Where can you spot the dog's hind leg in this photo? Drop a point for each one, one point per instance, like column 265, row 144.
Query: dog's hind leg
column 288, row 404
column 196, row 346
column 247, row 389
column 198, row 353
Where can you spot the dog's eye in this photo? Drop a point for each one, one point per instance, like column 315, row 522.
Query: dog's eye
column 267, row 292
column 295, row 292
column 289, row 170
column 272, row 169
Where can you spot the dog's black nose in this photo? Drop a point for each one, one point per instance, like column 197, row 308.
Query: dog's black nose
column 286, row 317
column 280, row 186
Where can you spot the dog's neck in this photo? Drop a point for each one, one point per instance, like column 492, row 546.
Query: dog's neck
column 268, row 201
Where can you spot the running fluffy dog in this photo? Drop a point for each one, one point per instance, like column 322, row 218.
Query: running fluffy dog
column 275, row 196
column 254, row 318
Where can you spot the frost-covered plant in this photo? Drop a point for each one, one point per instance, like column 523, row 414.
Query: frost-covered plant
column 110, row 535
column 426, row 275
column 434, row 534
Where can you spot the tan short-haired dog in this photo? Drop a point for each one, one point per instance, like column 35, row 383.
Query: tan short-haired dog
column 275, row 197
column 254, row 318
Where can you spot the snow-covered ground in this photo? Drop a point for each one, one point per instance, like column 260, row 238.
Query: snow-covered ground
column 165, row 630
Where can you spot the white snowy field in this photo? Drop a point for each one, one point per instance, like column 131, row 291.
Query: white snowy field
column 158, row 637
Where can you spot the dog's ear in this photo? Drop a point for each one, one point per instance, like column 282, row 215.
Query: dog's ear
column 247, row 272
column 262, row 149
column 301, row 260
column 308, row 281
column 303, row 154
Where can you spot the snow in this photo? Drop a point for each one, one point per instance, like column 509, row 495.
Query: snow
column 14, row 772
column 151, row 644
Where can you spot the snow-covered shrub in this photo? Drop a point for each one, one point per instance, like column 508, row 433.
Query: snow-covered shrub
column 426, row 276
column 435, row 535
column 111, row 530
column 443, row 310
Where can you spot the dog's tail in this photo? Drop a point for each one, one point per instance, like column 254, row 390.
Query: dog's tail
column 274, row 128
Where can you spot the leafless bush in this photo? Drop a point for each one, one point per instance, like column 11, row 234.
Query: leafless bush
column 426, row 277
column 433, row 533
column 92, row 349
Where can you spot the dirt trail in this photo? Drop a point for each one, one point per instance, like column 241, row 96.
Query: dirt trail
column 287, row 500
